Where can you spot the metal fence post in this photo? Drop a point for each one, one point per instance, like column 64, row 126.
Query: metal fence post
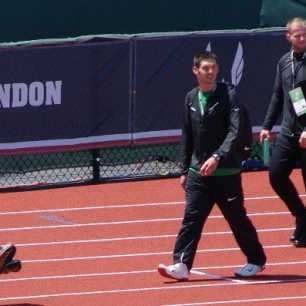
column 95, row 165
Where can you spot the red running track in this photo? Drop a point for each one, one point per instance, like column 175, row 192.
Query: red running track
column 100, row 245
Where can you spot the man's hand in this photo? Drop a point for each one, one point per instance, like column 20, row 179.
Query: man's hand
column 183, row 181
column 302, row 140
column 209, row 166
column 264, row 134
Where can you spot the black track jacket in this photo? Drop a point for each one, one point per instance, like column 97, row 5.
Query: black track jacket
column 280, row 102
column 214, row 132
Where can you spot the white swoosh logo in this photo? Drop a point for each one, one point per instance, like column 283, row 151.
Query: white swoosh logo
column 231, row 199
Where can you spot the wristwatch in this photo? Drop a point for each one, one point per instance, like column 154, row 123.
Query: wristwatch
column 216, row 156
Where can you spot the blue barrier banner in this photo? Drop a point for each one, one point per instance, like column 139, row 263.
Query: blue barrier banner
column 59, row 97
column 163, row 76
column 119, row 91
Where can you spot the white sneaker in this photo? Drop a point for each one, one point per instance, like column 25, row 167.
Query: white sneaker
column 177, row 271
column 249, row 270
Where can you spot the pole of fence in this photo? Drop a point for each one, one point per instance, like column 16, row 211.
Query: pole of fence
column 95, row 165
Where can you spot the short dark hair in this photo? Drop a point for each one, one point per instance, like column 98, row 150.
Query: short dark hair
column 203, row 55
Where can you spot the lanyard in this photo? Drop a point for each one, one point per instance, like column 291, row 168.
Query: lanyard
column 293, row 70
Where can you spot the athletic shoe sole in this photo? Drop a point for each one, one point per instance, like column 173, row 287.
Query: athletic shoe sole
column 162, row 270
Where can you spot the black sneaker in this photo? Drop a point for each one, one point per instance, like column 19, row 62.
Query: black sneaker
column 300, row 242
column 294, row 235
column 7, row 252
column 299, row 232
column 12, row 266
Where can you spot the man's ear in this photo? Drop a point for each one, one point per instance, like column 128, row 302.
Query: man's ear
column 194, row 70
column 288, row 36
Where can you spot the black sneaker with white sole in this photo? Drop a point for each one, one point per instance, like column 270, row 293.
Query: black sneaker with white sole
column 7, row 253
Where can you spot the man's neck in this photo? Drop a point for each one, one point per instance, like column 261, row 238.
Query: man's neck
column 299, row 51
column 207, row 87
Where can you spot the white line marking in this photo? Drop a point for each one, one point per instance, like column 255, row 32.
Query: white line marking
column 120, row 222
column 256, row 214
column 147, row 289
column 35, row 244
column 278, row 298
column 217, row 277
column 54, row 277
column 267, row 264
column 90, row 208
column 43, row 227
column 119, row 206
column 143, row 254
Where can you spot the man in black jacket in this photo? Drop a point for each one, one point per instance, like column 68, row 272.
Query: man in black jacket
column 288, row 98
column 211, row 171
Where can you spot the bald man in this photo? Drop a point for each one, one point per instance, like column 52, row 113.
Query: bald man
column 288, row 99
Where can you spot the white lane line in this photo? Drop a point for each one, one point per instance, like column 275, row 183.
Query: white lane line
column 256, row 214
column 120, row 222
column 277, row 298
column 55, row 277
column 272, row 264
column 37, row 244
column 119, row 206
column 147, row 289
column 140, row 272
column 126, row 255
column 90, row 208
column 60, row 226
column 101, row 292
column 216, row 277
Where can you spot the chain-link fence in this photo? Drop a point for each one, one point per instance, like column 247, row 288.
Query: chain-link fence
column 98, row 165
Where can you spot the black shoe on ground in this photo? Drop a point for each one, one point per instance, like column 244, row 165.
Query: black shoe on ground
column 12, row 266
column 299, row 233
column 300, row 242
column 294, row 237
column 7, row 252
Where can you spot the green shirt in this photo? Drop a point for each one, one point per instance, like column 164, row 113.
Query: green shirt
column 203, row 98
column 219, row 171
